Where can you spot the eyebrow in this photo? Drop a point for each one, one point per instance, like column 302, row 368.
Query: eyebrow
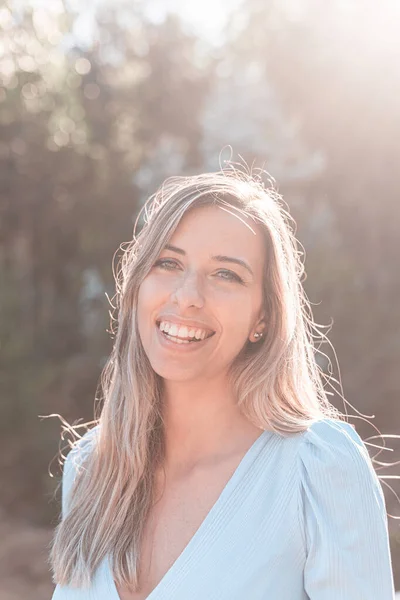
column 218, row 258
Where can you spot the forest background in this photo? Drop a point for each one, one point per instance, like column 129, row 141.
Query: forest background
column 99, row 103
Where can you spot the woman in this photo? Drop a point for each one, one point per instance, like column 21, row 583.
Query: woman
column 218, row 471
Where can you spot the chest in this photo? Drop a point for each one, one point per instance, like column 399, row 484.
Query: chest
column 172, row 523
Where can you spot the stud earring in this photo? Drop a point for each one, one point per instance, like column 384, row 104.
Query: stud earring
column 257, row 335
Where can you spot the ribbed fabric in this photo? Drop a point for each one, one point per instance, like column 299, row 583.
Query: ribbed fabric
column 301, row 518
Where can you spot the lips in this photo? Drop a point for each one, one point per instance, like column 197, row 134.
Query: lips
column 178, row 345
column 172, row 334
column 193, row 330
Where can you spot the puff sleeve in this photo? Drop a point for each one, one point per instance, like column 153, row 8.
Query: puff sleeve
column 343, row 516
column 72, row 465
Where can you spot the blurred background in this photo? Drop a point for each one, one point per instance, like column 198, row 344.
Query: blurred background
column 99, row 102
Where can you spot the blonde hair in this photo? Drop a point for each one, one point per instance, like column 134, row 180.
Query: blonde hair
column 277, row 382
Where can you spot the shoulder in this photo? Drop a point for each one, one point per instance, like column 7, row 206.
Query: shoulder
column 332, row 453
column 332, row 432
column 81, row 449
column 342, row 515
column 332, row 437
column 74, row 463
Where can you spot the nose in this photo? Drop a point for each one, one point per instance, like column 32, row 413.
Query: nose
column 188, row 292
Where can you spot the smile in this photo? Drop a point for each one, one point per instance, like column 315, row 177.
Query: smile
column 174, row 335
column 182, row 332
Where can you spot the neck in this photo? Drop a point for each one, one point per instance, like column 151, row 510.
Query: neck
column 202, row 423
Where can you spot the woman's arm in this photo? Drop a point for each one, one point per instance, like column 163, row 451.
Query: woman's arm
column 344, row 517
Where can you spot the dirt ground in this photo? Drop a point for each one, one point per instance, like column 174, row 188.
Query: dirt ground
column 23, row 553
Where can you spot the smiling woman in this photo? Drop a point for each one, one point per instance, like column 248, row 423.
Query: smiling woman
column 217, row 460
column 188, row 281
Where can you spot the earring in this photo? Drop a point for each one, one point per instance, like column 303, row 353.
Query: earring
column 257, row 335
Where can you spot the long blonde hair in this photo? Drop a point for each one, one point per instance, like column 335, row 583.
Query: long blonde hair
column 277, row 382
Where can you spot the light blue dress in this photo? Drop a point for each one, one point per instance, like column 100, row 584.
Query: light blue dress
column 301, row 518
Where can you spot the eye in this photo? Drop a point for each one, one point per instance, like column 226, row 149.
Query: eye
column 231, row 276
column 166, row 263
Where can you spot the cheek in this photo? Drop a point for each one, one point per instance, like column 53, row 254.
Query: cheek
column 148, row 294
column 240, row 314
column 151, row 296
column 236, row 317
column 145, row 303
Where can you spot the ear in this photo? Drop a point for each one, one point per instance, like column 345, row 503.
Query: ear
column 258, row 331
column 261, row 322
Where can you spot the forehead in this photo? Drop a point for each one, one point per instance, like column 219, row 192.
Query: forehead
column 220, row 230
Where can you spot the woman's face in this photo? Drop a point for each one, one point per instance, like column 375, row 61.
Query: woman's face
column 206, row 281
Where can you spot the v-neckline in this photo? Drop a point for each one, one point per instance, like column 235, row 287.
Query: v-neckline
column 199, row 538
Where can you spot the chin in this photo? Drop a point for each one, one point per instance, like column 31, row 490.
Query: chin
column 174, row 372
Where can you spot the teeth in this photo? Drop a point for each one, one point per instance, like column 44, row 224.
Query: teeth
column 182, row 331
column 181, row 341
column 177, row 340
column 173, row 330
